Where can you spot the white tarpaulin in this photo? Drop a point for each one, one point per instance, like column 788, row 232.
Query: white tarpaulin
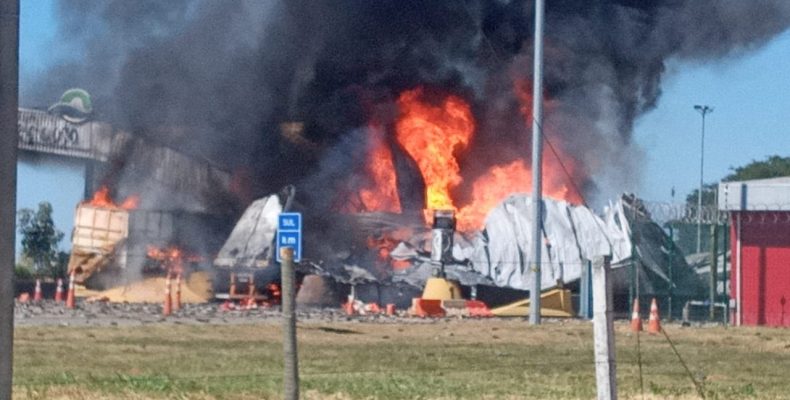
column 572, row 235
column 250, row 243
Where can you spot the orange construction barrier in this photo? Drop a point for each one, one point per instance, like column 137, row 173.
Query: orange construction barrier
column 427, row 308
column 636, row 320
column 24, row 297
column 654, row 323
column 37, row 296
column 177, row 300
column 59, row 291
column 477, row 308
column 70, row 296
column 227, row 306
column 167, row 306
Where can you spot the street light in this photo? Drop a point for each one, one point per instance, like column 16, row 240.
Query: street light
column 702, row 109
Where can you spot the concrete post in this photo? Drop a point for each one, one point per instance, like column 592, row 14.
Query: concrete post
column 603, row 330
column 291, row 359
column 9, row 139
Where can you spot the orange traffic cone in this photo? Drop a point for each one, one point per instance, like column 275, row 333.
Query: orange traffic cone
column 59, row 291
column 177, row 302
column 636, row 321
column 390, row 309
column 37, row 296
column 167, row 306
column 251, row 303
column 232, row 290
column 70, row 300
column 654, row 323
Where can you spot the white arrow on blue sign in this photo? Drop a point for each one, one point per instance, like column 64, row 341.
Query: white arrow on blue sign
column 289, row 234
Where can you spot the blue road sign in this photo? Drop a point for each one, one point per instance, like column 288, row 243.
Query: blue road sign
column 289, row 222
column 289, row 234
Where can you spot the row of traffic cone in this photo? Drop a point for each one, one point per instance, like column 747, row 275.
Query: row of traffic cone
column 653, row 322
column 39, row 296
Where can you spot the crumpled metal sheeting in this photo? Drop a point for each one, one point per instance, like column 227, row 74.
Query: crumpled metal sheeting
column 571, row 236
column 420, row 272
column 251, row 242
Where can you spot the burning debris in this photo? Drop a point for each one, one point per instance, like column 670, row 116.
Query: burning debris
column 117, row 243
column 394, row 110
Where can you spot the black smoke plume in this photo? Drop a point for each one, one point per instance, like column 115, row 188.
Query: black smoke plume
column 217, row 78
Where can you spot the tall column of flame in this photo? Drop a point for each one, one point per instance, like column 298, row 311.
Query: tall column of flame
column 382, row 194
column 431, row 134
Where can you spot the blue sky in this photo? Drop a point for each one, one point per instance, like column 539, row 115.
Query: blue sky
column 751, row 99
column 750, row 94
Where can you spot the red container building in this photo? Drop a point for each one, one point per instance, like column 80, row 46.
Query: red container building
column 759, row 214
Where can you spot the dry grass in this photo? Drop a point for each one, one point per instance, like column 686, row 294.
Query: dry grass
column 451, row 359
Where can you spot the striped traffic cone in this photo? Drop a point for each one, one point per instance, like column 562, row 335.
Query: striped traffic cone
column 37, row 296
column 636, row 321
column 177, row 302
column 70, row 300
column 251, row 303
column 654, row 323
column 167, row 306
column 59, row 291
column 232, row 290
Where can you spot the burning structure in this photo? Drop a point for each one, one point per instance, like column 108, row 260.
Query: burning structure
column 403, row 106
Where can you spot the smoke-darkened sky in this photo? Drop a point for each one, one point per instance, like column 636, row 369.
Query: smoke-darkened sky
column 216, row 78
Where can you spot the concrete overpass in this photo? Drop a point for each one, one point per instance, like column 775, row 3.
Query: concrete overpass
column 131, row 162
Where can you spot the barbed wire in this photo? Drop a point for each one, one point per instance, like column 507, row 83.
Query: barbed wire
column 682, row 213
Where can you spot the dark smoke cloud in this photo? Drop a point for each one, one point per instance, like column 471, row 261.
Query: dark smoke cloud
column 217, row 78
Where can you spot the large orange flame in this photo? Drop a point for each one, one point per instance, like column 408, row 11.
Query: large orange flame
column 102, row 199
column 382, row 195
column 431, row 134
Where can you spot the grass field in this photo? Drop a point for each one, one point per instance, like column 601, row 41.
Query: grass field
column 465, row 359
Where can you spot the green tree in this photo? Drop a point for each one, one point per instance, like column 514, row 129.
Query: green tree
column 40, row 240
column 773, row 167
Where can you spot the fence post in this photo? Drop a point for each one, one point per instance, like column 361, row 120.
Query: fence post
column 670, row 256
column 603, row 331
column 291, row 360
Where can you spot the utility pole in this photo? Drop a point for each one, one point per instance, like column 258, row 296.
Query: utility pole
column 537, row 160
column 9, row 139
column 704, row 110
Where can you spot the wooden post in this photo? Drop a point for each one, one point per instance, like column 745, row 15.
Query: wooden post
column 603, row 330
column 291, row 360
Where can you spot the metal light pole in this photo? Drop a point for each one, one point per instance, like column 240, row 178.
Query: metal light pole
column 537, row 158
column 702, row 109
